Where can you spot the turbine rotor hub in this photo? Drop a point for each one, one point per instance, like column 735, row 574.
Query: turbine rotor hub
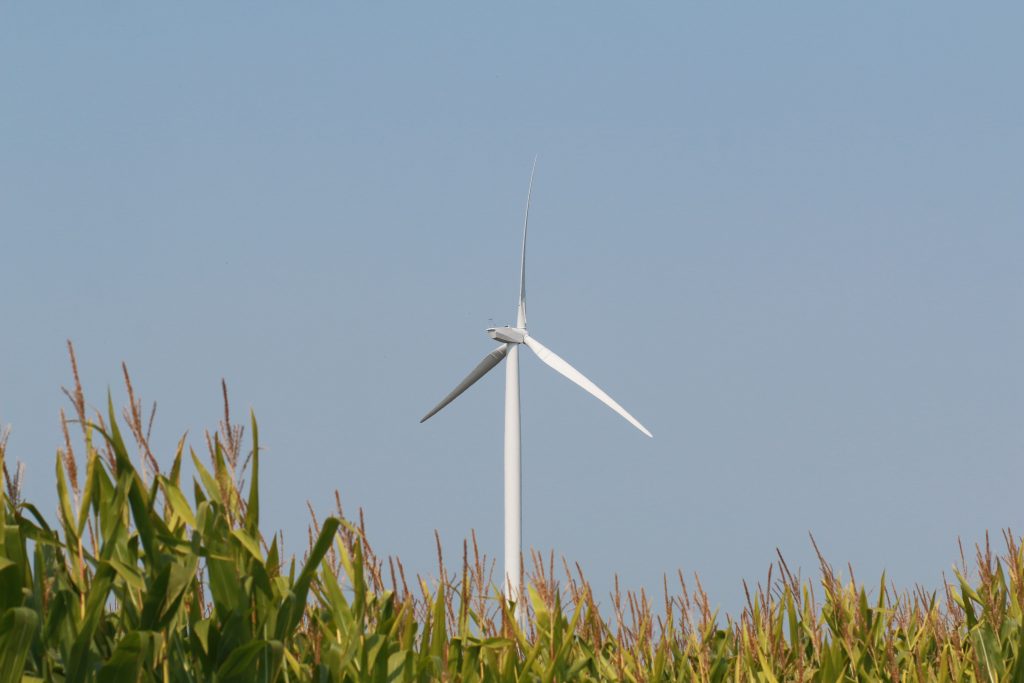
column 509, row 335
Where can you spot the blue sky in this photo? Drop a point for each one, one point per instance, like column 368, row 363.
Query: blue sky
column 786, row 237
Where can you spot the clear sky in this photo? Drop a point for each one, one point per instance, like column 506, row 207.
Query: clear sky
column 786, row 236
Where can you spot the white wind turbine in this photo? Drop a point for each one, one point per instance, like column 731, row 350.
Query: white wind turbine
column 511, row 338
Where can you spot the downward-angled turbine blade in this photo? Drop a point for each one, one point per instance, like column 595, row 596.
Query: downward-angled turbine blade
column 521, row 310
column 559, row 364
column 485, row 366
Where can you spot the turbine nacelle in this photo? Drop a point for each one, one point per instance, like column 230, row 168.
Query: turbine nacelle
column 509, row 335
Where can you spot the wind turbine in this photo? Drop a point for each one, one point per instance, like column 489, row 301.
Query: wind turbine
column 511, row 339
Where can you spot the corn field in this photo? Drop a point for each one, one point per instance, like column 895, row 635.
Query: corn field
column 137, row 580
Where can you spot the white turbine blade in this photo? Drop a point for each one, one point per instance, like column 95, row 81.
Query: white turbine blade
column 559, row 364
column 521, row 310
column 485, row 366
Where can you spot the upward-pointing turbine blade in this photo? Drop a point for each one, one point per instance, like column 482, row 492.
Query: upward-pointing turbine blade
column 559, row 364
column 521, row 309
column 485, row 366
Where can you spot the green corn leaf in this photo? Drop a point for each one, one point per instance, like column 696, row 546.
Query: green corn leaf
column 40, row 521
column 439, row 638
column 252, row 507
column 335, row 600
column 210, row 486
column 288, row 619
column 222, row 475
column 13, row 574
column 137, row 493
column 135, row 653
column 176, row 499
column 92, row 464
column 242, row 663
column 248, row 542
column 69, row 518
column 79, row 664
column 1017, row 674
column 17, row 629
column 59, row 626
column 164, row 596
column 175, row 475
column 273, row 561
column 3, row 488
column 129, row 574
column 225, row 584
column 990, row 654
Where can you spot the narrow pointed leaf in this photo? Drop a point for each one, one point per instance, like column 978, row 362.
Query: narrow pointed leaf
column 17, row 628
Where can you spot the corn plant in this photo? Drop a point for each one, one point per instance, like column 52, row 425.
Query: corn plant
column 142, row 577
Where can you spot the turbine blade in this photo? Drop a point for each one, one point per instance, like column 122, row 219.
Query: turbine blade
column 521, row 310
column 560, row 365
column 485, row 366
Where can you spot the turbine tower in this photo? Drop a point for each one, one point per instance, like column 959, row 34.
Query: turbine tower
column 511, row 339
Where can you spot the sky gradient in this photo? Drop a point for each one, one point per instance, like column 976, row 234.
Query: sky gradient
column 787, row 238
